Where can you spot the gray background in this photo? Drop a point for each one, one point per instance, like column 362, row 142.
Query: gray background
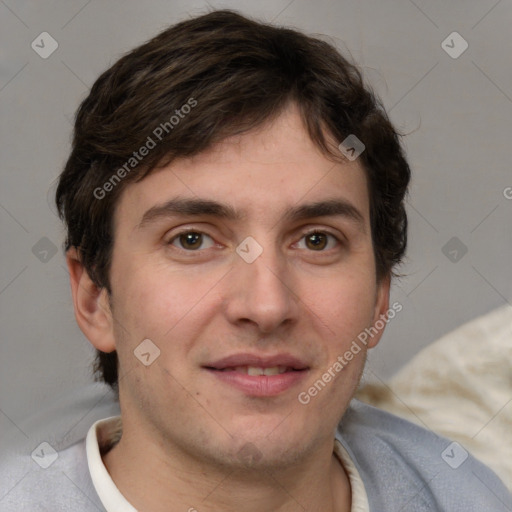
column 456, row 112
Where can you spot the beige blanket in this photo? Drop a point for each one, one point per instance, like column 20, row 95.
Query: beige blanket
column 461, row 388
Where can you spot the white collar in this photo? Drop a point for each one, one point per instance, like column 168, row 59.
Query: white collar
column 109, row 494
column 359, row 496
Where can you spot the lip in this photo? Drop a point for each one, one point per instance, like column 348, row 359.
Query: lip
column 259, row 385
column 259, row 361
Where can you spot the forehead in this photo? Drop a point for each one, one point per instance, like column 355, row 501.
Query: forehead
column 263, row 173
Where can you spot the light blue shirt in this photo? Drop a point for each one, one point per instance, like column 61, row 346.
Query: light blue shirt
column 403, row 467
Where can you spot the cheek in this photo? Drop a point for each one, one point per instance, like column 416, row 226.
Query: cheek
column 346, row 306
column 164, row 306
column 147, row 304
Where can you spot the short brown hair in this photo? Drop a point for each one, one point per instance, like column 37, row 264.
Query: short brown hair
column 234, row 74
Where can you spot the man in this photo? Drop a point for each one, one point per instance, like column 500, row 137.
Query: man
column 234, row 207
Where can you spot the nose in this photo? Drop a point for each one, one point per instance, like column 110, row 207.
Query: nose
column 261, row 293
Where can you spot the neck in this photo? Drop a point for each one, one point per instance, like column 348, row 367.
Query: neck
column 155, row 480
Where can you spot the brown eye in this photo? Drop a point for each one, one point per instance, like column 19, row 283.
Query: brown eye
column 191, row 241
column 316, row 241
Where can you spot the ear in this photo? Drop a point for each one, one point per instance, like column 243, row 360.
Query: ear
column 92, row 309
column 380, row 316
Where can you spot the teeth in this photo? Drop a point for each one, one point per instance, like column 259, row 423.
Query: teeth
column 272, row 371
column 255, row 371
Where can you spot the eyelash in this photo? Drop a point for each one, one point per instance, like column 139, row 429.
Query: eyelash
column 304, row 235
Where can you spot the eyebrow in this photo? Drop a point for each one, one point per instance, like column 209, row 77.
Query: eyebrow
column 200, row 207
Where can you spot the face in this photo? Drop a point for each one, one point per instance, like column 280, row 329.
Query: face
column 250, row 267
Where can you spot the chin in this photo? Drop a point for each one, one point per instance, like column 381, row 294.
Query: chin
column 277, row 428
column 264, row 454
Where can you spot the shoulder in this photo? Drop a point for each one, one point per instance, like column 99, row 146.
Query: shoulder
column 46, row 479
column 405, row 466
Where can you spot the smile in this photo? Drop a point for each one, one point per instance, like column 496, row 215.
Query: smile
column 258, row 381
column 255, row 370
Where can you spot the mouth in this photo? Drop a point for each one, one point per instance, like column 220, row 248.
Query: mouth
column 244, row 362
column 258, row 370
column 259, row 376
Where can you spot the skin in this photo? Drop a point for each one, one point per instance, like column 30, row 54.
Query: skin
column 184, row 430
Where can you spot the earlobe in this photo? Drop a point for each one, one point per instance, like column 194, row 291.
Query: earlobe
column 380, row 317
column 92, row 310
